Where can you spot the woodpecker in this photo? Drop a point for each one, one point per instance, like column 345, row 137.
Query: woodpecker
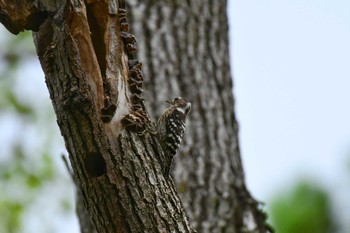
column 171, row 128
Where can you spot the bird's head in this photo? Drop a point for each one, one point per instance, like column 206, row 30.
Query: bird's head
column 182, row 104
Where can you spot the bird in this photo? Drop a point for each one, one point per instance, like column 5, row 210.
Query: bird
column 171, row 128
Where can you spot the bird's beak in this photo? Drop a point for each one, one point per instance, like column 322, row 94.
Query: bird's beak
column 169, row 102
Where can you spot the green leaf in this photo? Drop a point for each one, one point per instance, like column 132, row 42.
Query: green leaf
column 10, row 215
column 33, row 181
column 305, row 210
column 19, row 107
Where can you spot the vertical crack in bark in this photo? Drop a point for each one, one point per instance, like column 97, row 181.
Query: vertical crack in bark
column 80, row 31
column 97, row 25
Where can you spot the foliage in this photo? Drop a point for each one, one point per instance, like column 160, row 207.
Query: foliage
column 28, row 171
column 306, row 209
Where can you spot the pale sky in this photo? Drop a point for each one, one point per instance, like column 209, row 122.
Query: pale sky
column 291, row 68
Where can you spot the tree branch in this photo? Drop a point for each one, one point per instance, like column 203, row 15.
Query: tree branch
column 18, row 16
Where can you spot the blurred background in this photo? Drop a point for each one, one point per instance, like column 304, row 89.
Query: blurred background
column 290, row 64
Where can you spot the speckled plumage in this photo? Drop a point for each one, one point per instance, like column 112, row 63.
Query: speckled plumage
column 171, row 127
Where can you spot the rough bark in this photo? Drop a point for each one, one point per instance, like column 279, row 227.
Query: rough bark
column 85, row 222
column 95, row 91
column 184, row 47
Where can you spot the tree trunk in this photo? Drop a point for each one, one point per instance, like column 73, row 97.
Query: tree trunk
column 184, row 49
column 96, row 89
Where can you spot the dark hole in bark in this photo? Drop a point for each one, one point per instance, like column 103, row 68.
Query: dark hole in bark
column 97, row 37
column 35, row 20
column 95, row 165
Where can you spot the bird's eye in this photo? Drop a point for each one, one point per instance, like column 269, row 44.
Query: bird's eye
column 177, row 98
column 188, row 108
